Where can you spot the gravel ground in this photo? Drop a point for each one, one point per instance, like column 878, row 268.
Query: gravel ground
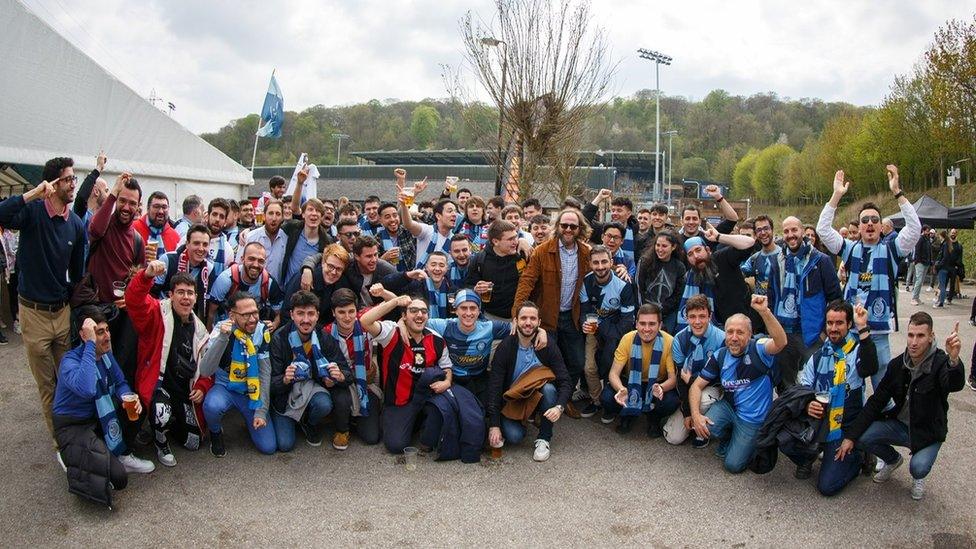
column 598, row 488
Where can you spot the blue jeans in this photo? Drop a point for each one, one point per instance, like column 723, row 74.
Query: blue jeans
column 662, row 408
column 219, row 400
column 834, row 475
column 514, row 431
column 738, row 437
column 284, row 426
column 882, row 435
column 883, row 346
column 944, row 287
column 572, row 345
column 919, row 269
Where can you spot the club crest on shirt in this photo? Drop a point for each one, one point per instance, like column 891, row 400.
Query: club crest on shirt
column 418, row 358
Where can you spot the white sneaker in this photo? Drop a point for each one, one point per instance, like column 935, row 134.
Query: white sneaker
column 885, row 473
column 16, row 326
column 61, row 461
column 918, row 488
column 541, row 450
column 132, row 464
column 165, row 455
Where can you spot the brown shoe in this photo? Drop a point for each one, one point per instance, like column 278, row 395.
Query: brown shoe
column 340, row 441
column 571, row 411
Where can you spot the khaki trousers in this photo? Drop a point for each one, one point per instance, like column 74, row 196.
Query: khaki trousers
column 46, row 339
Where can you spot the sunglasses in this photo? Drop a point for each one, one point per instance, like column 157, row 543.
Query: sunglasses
column 351, row 234
column 568, row 226
column 870, row 219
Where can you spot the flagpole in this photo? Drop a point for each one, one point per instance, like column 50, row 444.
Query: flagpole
column 254, row 154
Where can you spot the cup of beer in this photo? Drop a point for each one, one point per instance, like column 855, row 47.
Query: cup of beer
column 118, row 288
column 152, row 250
column 486, row 295
column 496, row 451
column 408, row 193
column 592, row 321
column 452, row 184
column 129, row 401
column 259, row 218
column 823, row 397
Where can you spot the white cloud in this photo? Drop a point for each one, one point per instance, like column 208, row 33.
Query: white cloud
column 213, row 59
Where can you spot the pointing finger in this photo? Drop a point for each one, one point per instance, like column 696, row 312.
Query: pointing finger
column 955, row 329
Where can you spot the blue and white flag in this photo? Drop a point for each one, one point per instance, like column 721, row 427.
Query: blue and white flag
column 273, row 111
column 310, row 187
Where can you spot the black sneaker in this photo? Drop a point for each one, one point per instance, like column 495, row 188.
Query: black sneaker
column 972, row 383
column 3, row 339
column 589, row 410
column 625, row 425
column 313, row 435
column 654, row 430
column 608, row 417
column 217, row 444
column 803, row 472
column 699, row 443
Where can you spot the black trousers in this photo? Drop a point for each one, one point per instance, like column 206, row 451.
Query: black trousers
column 367, row 427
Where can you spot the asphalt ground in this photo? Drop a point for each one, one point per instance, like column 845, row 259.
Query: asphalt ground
column 597, row 489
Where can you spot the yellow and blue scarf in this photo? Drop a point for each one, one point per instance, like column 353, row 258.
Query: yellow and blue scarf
column 838, row 391
column 244, row 373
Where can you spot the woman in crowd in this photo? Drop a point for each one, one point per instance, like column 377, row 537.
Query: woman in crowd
column 661, row 276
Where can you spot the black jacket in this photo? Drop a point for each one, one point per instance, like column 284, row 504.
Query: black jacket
column 282, row 356
column 950, row 257
column 786, row 420
column 503, row 271
column 86, row 457
column 503, row 365
column 732, row 294
column 923, row 251
column 352, row 278
column 928, row 415
column 293, row 229
column 319, row 288
column 663, row 289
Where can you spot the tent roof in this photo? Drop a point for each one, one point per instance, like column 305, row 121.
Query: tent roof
column 57, row 101
column 935, row 214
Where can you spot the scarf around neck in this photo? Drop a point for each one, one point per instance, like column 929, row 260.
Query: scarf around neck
column 639, row 397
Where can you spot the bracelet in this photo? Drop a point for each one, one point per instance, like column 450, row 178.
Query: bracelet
column 719, row 199
column 864, row 330
column 899, row 194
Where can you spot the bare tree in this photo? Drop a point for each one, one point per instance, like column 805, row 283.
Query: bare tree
column 556, row 69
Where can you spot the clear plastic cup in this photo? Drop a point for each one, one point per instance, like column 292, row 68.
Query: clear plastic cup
column 410, row 458
column 118, row 288
column 129, row 401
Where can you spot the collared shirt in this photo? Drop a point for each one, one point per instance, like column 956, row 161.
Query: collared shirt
column 49, row 206
column 569, row 260
column 275, row 251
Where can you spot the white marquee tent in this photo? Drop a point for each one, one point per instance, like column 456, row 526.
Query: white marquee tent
column 57, row 101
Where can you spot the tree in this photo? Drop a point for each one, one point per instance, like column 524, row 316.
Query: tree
column 742, row 175
column 423, row 125
column 695, row 167
column 769, row 171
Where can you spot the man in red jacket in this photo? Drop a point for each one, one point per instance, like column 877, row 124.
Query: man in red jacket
column 154, row 227
column 171, row 341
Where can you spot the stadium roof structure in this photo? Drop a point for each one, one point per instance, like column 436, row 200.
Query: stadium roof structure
column 466, row 157
column 57, row 101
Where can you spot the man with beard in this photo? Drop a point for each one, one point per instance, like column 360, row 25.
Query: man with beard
column 192, row 215
column 803, row 283
column 219, row 251
column 190, row 258
column 495, row 271
column 461, row 258
column 246, row 219
column 621, row 210
column 872, row 266
column 326, row 278
column 431, row 282
column 611, row 301
column 693, row 224
column 645, row 353
column 397, row 245
column 743, row 369
column 691, row 349
column 231, row 230
column 250, row 277
column 717, row 275
column 308, row 371
column 238, row 357
column 918, row 382
column 154, row 227
column 837, row 370
column 115, row 249
column 172, row 340
column 436, row 237
column 272, row 238
column 763, row 264
column 526, row 379
column 406, row 356
column 277, row 186
column 369, row 222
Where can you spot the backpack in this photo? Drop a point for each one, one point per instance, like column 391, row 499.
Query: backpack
column 235, row 282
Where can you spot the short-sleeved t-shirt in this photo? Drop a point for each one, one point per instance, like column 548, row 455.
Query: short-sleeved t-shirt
column 303, row 249
column 469, row 352
column 685, row 345
column 622, row 354
column 748, row 384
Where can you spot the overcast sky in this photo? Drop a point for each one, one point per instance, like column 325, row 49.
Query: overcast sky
column 213, row 59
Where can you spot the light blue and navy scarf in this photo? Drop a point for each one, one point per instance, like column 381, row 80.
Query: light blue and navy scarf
column 627, row 248
column 639, row 397
column 878, row 300
column 358, row 356
column 456, row 275
column 105, row 406
column 386, row 240
column 695, row 284
column 298, row 350
column 787, row 307
column 477, row 234
column 438, row 298
column 432, row 246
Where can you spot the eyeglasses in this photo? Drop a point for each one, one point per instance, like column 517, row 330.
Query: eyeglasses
column 68, row 179
column 568, row 226
column 249, row 314
column 418, row 310
column 763, row 229
column 870, row 219
column 332, row 268
column 612, row 236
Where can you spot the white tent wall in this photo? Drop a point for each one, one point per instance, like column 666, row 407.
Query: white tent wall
column 56, row 101
column 176, row 190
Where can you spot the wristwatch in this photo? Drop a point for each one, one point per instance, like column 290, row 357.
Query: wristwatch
column 561, row 407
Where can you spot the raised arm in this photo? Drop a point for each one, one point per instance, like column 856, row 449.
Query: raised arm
column 728, row 212
column 777, row 334
column 737, row 241
column 832, row 240
column 80, row 206
column 912, row 231
column 370, row 320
